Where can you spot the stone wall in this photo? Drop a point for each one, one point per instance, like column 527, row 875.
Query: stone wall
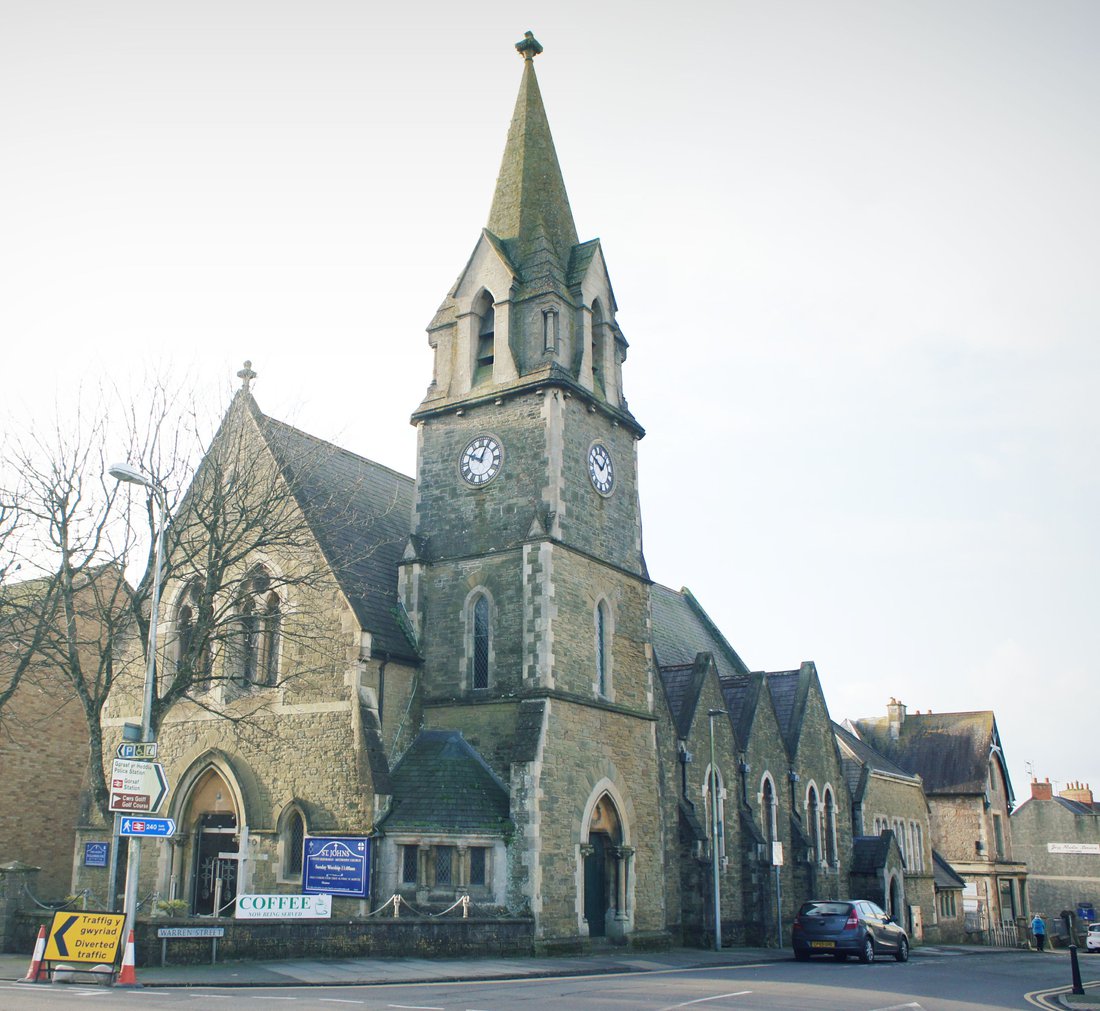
column 377, row 938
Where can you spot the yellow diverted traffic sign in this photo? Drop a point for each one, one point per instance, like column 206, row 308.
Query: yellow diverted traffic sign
column 84, row 937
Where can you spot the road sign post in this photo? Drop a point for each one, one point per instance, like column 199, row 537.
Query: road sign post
column 137, row 787
column 162, row 828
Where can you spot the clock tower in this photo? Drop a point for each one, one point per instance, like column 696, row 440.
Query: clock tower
column 524, row 578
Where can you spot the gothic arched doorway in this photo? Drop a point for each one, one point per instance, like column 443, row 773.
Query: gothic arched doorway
column 603, row 867
column 213, row 837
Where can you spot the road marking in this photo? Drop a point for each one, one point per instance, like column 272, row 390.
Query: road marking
column 1038, row 998
column 719, row 996
column 416, row 1007
column 899, row 1007
column 338, row 1000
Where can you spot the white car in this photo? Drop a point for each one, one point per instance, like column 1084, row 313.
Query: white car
column 1092, row 938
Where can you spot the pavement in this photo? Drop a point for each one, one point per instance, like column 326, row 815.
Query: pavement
column 366, row 971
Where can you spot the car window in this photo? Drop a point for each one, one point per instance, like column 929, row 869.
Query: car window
column 825, row 909
column 875, row 910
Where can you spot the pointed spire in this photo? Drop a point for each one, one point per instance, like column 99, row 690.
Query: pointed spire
column 530, row 190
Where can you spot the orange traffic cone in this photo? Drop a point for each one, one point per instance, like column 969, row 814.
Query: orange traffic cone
column 35, row 969
column 127, row 976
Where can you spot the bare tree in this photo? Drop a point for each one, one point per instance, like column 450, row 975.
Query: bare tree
column 239, row 546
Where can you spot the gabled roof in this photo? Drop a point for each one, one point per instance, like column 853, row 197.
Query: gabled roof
column 788, row 690
column 949, row 751
column 443, row 785
column 682, row 684
column 870, row 852
column 944, row 875
column 862, row 753
column 1078, row 806
column 741, row 692
column 360, row 512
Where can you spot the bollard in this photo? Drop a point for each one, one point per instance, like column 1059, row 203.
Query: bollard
column 1076, row 970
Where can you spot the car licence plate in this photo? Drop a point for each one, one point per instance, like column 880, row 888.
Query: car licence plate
column 823, row 944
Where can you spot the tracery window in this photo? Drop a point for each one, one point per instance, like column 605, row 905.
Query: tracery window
column 813, row 816
column 259, row 615
column 830, row 828
column 481, row 633
column 294, row 836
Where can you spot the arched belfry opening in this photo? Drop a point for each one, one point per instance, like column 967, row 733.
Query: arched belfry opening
column 606, row 869
column 206, row 868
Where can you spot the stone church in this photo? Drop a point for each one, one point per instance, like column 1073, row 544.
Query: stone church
column 509, row 708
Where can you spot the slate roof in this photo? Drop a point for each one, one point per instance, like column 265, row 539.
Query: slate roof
column 682, row 630
column 949, row 751
column 1078, row 806
column 869, row 852
column 944, row 875
column 682, row 684
column 741, row 693
column 787, row 691
column 863, row 754
column 361, row 513
column 443, row 785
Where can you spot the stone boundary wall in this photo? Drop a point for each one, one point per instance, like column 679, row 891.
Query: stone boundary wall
column 407, row 937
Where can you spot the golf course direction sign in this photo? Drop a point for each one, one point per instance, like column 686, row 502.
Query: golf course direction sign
column 85, row 937
column 137, row 787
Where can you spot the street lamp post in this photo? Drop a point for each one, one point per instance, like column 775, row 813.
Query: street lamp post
column 131, row 475
column 711, row 713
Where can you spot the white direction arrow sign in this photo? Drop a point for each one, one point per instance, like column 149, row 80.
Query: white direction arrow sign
column 137, row 787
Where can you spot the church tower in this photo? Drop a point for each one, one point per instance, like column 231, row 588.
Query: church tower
column 524, row 578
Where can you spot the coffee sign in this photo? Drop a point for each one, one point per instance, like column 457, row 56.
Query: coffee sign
column 284, row 907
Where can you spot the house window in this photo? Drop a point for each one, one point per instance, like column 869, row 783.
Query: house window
column 948, row 905
column 481, row 642
column 409, row 856
column 477, row 865
column 998, row 837
column 187, row 641
column 295, row 843
column 444, row 864
column 486, row 336
column 603, row 643
column 918, row 847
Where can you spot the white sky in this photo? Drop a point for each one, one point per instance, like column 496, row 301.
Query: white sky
column 854, row 247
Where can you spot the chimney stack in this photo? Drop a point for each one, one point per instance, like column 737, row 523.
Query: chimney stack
column 1077, row 792
column 895, row 714
column 1041, row 791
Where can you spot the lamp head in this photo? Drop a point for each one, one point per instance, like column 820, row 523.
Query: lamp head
column 131, row 475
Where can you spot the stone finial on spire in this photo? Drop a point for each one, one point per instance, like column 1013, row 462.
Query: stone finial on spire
column 246, row 375
column 528, row 47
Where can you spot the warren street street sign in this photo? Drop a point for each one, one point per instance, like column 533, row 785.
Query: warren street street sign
column 137, row 787
column 144, row 751
column 84, row 937
column 165, row 828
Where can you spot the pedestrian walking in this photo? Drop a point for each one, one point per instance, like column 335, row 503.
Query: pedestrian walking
column 1039, row 929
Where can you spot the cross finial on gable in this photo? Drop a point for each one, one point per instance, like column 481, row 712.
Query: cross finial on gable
column 246, row 375
column 528, row 47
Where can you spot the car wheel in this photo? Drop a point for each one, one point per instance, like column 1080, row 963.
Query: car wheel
column 902, row 954
column 801, row 956
column 867, row 952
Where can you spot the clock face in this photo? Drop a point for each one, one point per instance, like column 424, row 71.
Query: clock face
column 480, row 461
column 600, row 469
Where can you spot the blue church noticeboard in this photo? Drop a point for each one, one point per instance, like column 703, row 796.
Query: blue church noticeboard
column 336, row 865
